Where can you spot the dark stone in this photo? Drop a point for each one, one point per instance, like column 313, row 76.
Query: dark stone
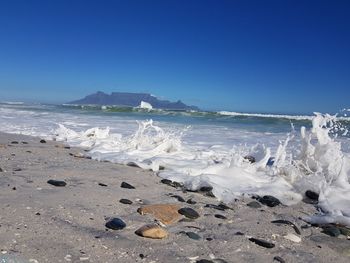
column 221, row 207
column 279, row 259
column 262, row 242
column 254, row 204
column 193, row 235
column 42, row 141
column 1, row 170
column 219, row 260
column 57, row 182
column 249, row 158
column 239, row 233
column 67, row 147
column 269, row 200
column 286, row 222
column 17, row 169
column 125, row 201
column 171, row 183
column 24, row 142
column 270, row 161
column 331, row 230
column 115, row 224
column 13, row 188
column 188, row 212
column 220, row 216
column 312, row 195
column 179, row 198
column 126, row 185
column 37, row 214
column 191, row 202
column 14, row 142
column 206, row 189
column 142, row 256
column 102, row 184
column 204, row 261
column 209, row 239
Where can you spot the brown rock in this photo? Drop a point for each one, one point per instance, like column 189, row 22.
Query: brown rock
column 152, row 231
column 165, row 213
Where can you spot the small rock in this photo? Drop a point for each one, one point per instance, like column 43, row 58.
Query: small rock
column 142, row 256
column 344, row 230
column 254, row 204
column 206, row 189
column 126, row 185
column 13, row 188
column 279, row 259
column 17, row 169
column 269, row 200
column 204, row 261
column 14, row 142
column 238, row 233
column 42, row 141
column 125, row 201
column 188, row 212
column 115, row 224
column 193, row 235
column 102, row 184
column 179, row 198
column 24, row 142
column 215, row 207
column 209, row 239
column 57, row 182
column 191, row 202
column 286, row 222
column 312, row 195
column 331, row 230
column 262, row 242
column 270, row 161
column 165, row 213
column 37, row 214
column 249, row 158
column 1, row 170
column 171, row 183
column 220, row 216
column 151, row 231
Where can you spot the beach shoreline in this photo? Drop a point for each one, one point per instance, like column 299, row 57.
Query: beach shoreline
column 44, row 223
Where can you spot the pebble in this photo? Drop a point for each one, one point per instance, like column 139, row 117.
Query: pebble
column 262, row 243
column 191, row 202
column 1, row 170
column 42, row 141
column 312, row 195
column 179, row 198
column 102, row 184
column 193, row 235
column 24, row 142
column 269, row 200
column 165, row 213
column 279, row 259
column 204, row 261
column 171, row 183
column 56, row 182
column 126, row 185
column 115, row 224
column 152, row 231
column 220, row 216
column 254, row 204
column 331, row 230
column 286, row 222
column 14, row 142
column 220, row 207
column 188, row 212
column 125, row 201
column 292, row 238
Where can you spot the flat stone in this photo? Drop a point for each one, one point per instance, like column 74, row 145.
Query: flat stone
column 254, row 204
column 269, row 200
column 331, row 230
column 126, row 185
column 193, row 235
column 171, row 183
column 279, row 259
column 115, row 224
column 56, row 182
column 14, row 142
column 262, row 243
column 152, row 231
column 102, row 184
column 125, row 201
column 165, row 213
column 220, row 216
column 179, row 198
column 188, row 212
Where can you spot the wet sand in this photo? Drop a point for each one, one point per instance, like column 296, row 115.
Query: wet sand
column 40, row 222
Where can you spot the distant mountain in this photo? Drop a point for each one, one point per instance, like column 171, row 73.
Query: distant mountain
column 132, row 100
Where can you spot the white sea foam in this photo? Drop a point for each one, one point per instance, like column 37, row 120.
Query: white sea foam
column 145, row 105
column 260, row 115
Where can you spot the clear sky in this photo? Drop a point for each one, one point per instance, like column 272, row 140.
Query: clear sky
column 267, row 56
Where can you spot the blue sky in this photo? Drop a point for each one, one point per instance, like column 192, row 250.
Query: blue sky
column 266, row 56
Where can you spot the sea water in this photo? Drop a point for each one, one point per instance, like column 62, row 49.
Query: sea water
column 292, row 153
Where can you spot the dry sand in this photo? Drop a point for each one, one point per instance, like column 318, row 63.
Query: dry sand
column 43, row 223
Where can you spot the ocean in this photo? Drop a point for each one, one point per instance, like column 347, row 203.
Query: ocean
column 236, row 154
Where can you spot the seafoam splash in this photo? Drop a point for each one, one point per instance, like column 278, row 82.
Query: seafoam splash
column 318, row 165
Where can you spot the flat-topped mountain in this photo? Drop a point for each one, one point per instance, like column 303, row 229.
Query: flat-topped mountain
column 132, row 100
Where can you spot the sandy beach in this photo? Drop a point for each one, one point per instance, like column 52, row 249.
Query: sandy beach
column 40, row 222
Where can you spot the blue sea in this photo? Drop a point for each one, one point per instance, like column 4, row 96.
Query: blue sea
column 292, row 153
